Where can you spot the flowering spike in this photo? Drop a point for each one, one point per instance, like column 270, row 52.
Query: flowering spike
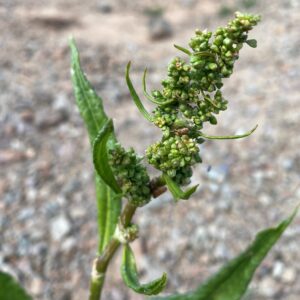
column 193, row 90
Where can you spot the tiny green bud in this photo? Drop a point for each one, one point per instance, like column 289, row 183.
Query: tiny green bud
column 213, row 66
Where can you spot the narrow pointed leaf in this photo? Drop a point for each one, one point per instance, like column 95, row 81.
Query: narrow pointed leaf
column 112, row 214
column 210, row 101
column 204, row 53
column 145, row 88
column 252, row 43
column 184, row 50
column 228, row 137
column 89, row 103
column 135, row 96
column 109, row 209
column 90, row 106
column 176, row 191
column 10, row 289
column 149, row 96
column 100, row 157
column 130, row 276
column 231, row 282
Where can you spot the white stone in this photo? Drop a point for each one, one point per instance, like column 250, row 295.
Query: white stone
column 278, row 269
column 69, row 244
column 59, row 227
column 36, row 286
column 268, row 287
column 289, row 275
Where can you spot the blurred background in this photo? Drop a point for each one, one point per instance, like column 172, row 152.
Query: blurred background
column 48, row 233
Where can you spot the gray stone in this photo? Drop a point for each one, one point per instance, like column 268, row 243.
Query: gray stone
column 51, row 209
column 221, row 251
column 62, row 103
column 44, row 120
column 25, row 214
column 104, row 6
column 159, row 28
column 24, row 245
column 218, row 173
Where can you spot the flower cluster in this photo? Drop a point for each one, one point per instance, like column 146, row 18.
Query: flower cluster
column 130, row 174
column 174, row 156
column 191, row 95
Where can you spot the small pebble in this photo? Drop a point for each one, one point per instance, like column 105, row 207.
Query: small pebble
column 59, row 227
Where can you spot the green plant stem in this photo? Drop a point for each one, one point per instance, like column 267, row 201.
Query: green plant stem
column 96, row 283
column 101, row 262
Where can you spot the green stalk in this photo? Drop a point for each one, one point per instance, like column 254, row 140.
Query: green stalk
column 101, row 262
column 96, row 283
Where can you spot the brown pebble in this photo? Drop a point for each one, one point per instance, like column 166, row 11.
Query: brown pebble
column 11, row 156
column 27, row 116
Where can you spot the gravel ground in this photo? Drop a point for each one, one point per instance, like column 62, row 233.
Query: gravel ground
column 47, row 209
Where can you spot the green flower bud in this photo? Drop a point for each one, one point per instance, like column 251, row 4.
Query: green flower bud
column 227, row 42
column 213, row 66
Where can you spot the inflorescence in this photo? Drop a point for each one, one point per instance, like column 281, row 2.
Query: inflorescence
column 190, row 96
column 130, row 174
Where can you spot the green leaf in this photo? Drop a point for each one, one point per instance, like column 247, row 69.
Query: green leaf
column 90, row 106
column 10, row 289
column 100, row 157
column 252, row 43
column 176, row 191
column 135, row 96
column 89, row 103
column 109, row 209
column 184, row 50
column 204, row 53
column 228, row 137
column 231, row 282
column 130, row 276
column 149, row 96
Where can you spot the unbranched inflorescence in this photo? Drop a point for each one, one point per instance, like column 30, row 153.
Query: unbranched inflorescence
column 190, row 96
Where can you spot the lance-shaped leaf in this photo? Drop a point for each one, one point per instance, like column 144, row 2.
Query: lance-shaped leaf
column 208, row 99
column 130, row 276
column 176, row 191
column 231, row 282
column 204, row 53
column 135, row 96
column 91, row 110
column 89, row 103
column 100, row 157
column 149, row 97
column 184, row 50
column 228, row 137
column 10, row 289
